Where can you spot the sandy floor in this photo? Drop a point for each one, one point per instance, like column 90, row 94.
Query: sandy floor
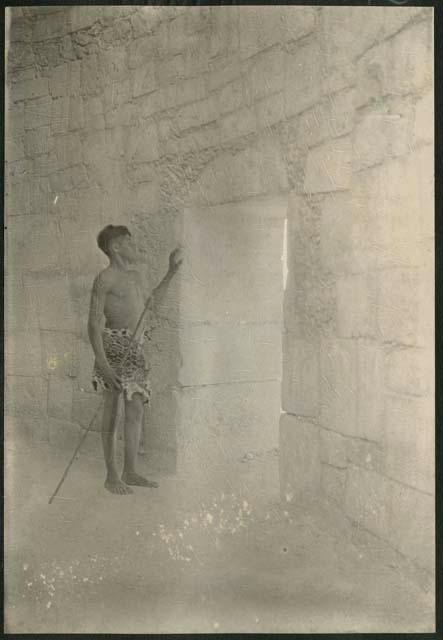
column 93, row 562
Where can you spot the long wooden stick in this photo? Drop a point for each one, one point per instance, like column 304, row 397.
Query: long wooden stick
column 74, row 455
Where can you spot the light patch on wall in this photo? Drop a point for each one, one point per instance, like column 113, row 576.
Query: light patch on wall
column 284, row 257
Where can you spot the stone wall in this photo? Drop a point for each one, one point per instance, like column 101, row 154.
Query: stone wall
column 358, row 389
column 142, row 114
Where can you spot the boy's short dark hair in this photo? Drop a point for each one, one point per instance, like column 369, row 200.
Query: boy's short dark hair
column 108, row 234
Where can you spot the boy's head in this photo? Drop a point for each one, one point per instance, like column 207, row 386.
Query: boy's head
column 116, row 239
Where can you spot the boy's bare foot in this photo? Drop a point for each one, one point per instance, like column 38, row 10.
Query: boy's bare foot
column 115, row 485
column 137, row 480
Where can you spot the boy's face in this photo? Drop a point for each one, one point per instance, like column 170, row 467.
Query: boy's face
column 127, row 248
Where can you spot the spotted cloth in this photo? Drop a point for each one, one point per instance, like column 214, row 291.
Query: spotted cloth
column 131, row 370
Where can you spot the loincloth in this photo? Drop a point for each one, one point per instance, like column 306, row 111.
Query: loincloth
column 131, row 368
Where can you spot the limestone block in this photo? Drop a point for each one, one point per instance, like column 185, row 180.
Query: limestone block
column 50, row 26
column 410, row 371
column 333, row 449
column 196, row 56
column 302, row 79
column 225, row 352
column 230, row 97
column 84, row 407
column 71, row 178
column 368, row 500
column 300, row 465
column 145, row 20
column 141, row 51
column 395, row 18
column 17, row 198
column 370, row 367
column 68, row 150
column 161, row 421
column 29, row 89
column 333, row 483
column 54, row 306
column 90, row 79
column 365, row 454
column 329, row 119
column 38, row 141
column 270, row 110
column 328, row 167
column 142, row 145
column 25, row 395
column 338, row 386
column 424, row 119
column 394, row 194
column 401, row 314
column 33, row 244
column 64, row 79
column 15, row 121
column 171, row 70
column 412, row 529
column 93, row 114
column 356, row 306
column 301, row 382
column 79, row 242
column 14, row 149
column 410, row 441
column 197, row 114
column 380, row 136
column 21, row 57
column 339, row 26
column 23, row 353
column 20, row 30
column 222, row 71
column 296, row 22
column 225, row 33
column 237, row 124
column 401, row 65
column 60, row 115
column 196, row 140
column 218, row 424
column 58, row 355
column 189, row 90
column 76, row 114
column 38, row 112
column 144, row 80
column 82, row 17
column 60, row 398
column 266, row 75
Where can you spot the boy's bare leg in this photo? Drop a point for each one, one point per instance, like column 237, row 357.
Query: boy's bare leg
column 133, row 426
column 109, row 433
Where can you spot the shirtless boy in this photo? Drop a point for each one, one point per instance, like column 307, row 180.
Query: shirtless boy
column 117, row 294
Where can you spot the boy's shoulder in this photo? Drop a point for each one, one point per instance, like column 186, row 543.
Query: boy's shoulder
column 105, row 277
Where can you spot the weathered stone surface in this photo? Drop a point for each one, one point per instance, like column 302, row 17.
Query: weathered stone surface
column 368, row 500
column 60, row 398
column 23, row 353
column 54, row 306
column 333, row 448
column 63, row 434
column 68, row 150
column 410, row 371
column 208, row 353
column 17, row 198
column 370, row 396
column 356, row 306
column 59, row 119
column 82, row 17
column 237, row 124
column 412, row 529
column 301, row 380
column 50, row 26
column 225, row 31
column 28, row 89
column 84, row 407
column 197, row 114
column 424, row 119
column 302, row 86
column 409, row 441
column 25, row 395
column 330, row 119
column 339, row 26
column 266, row 75
column 333, row 483
column 231, row 97
column 401, row 65
column 38, row 141
column 300, row 465
column 64, row 79
column 395, row 18
column 380, row 136
column 90, row 79
column 328, row 167
column 270, row 110
column 38, row 112
column 338, row 386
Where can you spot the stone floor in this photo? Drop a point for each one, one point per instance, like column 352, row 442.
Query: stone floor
column 151, row 563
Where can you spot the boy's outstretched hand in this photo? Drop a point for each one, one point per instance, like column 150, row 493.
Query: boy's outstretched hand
column 175, row 260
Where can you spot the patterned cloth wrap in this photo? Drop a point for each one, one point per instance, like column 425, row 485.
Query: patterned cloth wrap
column 133, row 374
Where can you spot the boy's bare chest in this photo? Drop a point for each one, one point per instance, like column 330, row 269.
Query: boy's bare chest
column 125, row 290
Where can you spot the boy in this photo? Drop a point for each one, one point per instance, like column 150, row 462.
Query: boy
column 117, row 294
